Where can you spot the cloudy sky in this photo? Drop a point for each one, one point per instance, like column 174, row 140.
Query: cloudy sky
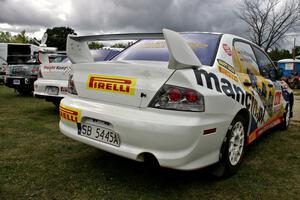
column 107, row 16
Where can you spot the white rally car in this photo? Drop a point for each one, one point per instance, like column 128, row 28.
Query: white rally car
column 52, row 81
column 53, row 76
column 188, row 100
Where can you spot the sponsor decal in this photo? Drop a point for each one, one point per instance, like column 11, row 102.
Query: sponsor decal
column 49, row 67
column 231, row 90
column 227, row 70
column 230, row 75
column 224, row 64
column 116, row 84
column 255, row 134
column 59, row 68
column 69, row 114
column 227, row 49
column 277, row 99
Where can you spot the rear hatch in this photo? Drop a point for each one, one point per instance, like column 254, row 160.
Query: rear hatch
column 132, row 83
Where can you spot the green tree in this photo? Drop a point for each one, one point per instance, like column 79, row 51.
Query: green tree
column 298, row 51
column 95, row 45
column 57, row 37
column 5, row 36
column 278, row 54
column 119, row 45
column 269, row 20
column 21, row 38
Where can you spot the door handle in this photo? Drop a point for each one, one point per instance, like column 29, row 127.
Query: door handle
column 248, row 84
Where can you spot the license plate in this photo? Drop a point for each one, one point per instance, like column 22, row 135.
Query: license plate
column 52, row 90
column 100, row 134
column 16, row 82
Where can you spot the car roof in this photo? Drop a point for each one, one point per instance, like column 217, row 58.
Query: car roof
column 289, row 61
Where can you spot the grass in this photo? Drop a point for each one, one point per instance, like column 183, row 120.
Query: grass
column 296, row 92
column 38, row 162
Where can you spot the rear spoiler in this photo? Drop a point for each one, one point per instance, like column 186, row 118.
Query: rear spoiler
column 180, row 53
column 43, row 58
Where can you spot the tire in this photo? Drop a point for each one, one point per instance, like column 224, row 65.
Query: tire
column 286, row 118
column 233, row 147
column 56, row 103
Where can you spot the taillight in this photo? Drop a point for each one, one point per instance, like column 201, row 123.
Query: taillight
column 178, row 98
column 35, row 71
column 71, row 85
column 40, row 75
column 174, row 94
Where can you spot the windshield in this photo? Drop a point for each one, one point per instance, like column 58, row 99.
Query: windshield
column 204, row 45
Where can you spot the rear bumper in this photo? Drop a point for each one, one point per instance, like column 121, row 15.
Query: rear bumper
column 175, row 138
column 26, row 82
column 40, row 89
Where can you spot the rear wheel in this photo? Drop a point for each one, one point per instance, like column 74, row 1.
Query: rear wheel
column 233, row 148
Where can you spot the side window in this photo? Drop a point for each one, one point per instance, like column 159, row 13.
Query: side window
column 265, row 65
column 245, row 58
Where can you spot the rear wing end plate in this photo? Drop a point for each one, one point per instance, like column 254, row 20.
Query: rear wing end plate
column 180, row 53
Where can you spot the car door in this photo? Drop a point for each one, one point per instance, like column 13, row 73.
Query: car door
column 272, row 98
column 253, row 83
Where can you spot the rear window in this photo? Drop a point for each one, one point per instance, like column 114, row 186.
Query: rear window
column 103, row 54
column 204, row 45
column 57, row 58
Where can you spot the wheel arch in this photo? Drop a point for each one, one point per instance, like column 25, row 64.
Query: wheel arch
column 245, row 113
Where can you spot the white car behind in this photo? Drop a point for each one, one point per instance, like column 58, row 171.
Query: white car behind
column 52, row 82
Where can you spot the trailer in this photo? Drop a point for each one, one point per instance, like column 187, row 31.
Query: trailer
column 291, row 71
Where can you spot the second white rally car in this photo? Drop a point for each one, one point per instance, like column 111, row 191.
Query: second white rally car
column 188, row 100
column 53, row 76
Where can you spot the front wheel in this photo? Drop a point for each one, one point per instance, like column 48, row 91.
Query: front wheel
column 233, row 148
column 286, row 118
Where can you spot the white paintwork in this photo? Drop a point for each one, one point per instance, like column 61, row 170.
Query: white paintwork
column 41, row 84
column 55, row 75
column 151, row 76
column 175, row 138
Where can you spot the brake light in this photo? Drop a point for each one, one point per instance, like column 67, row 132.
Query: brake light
column 71, row 85
column 191, row 96
column 35, row 71
column 174, row 94
column 178, row 98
